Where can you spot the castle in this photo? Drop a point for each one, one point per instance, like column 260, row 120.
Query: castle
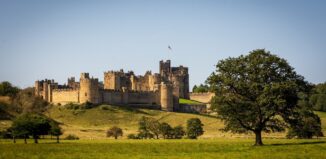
column 159, row 90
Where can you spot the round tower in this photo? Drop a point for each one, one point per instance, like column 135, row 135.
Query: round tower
column 166, row 97
column 89, row 90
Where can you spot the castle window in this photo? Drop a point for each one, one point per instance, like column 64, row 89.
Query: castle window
column 85, row 94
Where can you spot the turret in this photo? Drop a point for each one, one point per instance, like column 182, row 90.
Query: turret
column 89, row 90
column 166, row 97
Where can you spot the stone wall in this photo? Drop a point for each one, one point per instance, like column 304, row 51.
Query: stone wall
column 65, row 96
column 193, row 108
column 202, row 97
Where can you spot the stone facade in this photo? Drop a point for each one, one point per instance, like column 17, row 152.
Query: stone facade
column 161, row 89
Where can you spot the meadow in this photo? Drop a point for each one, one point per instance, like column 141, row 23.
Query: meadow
column 90, row 125
column 209, row 148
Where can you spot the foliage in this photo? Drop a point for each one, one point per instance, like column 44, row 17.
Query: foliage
column 114, row 132
column 255, row 91
column 143, row 129
column 318, row 97
column 166, row 130
column 26, row 102
column 194, row 128
column 6, row 89
column 200, row 89
column 178, row 132
column 71, row 137
column 55, row 130
column 30, row 124
column 132, row 136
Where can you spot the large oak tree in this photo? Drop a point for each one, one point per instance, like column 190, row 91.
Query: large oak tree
column 255, row 93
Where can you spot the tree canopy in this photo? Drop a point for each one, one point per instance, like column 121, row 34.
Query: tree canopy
column 6, row 89
column 257, row 92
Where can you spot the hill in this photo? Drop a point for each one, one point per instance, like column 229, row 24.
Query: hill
column 92, row 123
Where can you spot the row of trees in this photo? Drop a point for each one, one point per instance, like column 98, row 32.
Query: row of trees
column 202, row 88
column 33, row 125
column 151, row 128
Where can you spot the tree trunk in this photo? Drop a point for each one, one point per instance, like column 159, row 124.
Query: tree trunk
column 115, row 137
column 25, row 140
column 58, row 139
column 259, row 141
column 35, row 140
column 14, row 139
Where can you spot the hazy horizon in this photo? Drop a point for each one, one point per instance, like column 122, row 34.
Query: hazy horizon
column 60, row 39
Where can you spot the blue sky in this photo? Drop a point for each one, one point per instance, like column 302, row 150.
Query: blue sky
column 62, row 38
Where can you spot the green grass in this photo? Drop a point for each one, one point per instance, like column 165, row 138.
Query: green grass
column 92, row 123
column 187, row 101
column 169, row 149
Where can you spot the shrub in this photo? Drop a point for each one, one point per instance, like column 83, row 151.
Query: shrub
column 71, row 137
column 132, row 136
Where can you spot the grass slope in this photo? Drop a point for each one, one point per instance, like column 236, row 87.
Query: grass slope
column 169, row 149
column 92, row 123
column 187, row 101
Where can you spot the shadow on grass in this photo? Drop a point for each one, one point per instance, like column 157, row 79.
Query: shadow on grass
column 301, row 143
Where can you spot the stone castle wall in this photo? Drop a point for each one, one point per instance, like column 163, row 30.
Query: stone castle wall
column 65, row 96
column 202, row 97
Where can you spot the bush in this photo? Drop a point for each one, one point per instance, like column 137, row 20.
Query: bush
column 104, row 107
column 132, row 136
column 71, row 137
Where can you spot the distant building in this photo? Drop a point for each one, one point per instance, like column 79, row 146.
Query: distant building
column 160, row 90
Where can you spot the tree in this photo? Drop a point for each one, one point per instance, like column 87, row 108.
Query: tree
column 26, row 102
column 143, row 129
column 30, row 124
column 6, row 89
column 55, row 130
column 178, row 132
column 257, row 92
column 114, row 132
column 200, row 89
column 194, row 128
column 154, row 127
column 166, row 130
column 318, row 97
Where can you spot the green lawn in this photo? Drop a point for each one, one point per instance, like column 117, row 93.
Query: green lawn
column 217, row 148
column 187, row 101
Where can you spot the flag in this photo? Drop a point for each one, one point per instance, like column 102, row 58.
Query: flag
column 169, row 47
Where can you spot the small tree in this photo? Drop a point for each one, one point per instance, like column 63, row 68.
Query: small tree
column 154, row 127
column 143, row 128
column 178, row 132
column 194, row 128
column 55, row 130
column 114, row 132
column 166, row 130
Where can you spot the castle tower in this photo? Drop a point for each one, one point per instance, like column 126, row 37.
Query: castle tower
column 166, row 97
column 165, row 69
column 112, row 80
column 37, row 88
column 45, row 90
column 89, row 89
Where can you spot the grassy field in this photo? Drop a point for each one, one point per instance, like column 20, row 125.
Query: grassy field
column 92, row 123
column 187, row 101
column 171, row 149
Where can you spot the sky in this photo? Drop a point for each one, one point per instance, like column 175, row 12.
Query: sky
column 57, row 39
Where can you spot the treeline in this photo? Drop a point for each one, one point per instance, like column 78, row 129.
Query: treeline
column 150, row 128
column 32, row 125
column 318, row 97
